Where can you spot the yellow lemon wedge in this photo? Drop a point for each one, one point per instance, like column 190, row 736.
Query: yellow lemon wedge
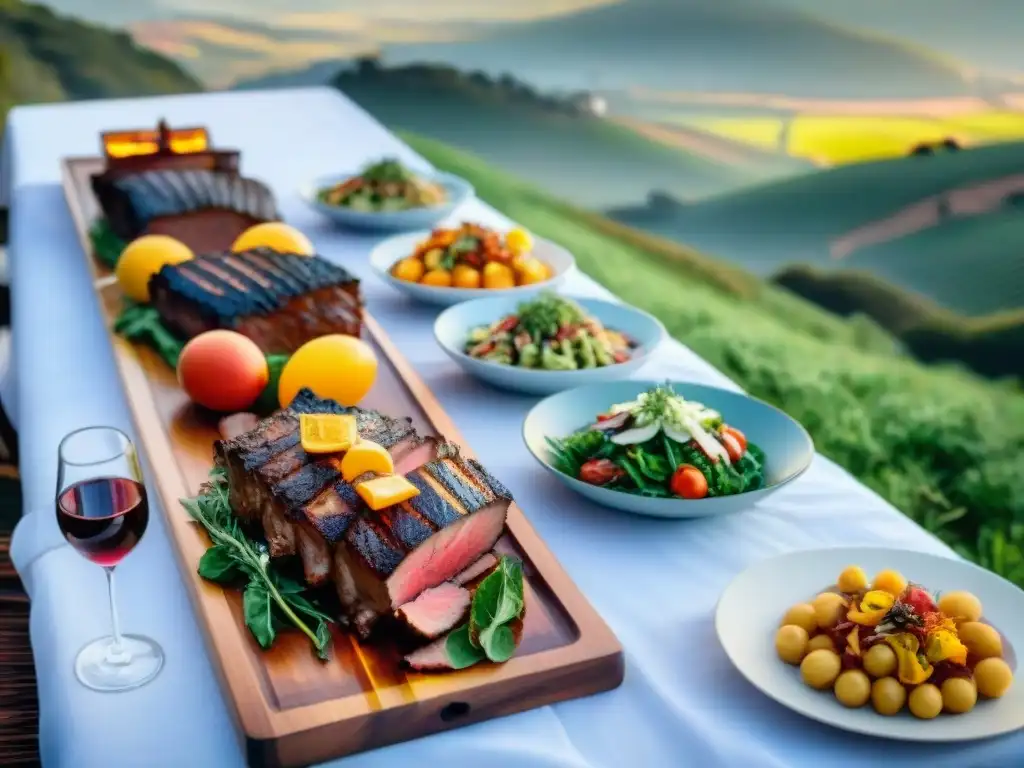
column 327, row 432
column 275, row 235
column 366, row 456
column 382, row 492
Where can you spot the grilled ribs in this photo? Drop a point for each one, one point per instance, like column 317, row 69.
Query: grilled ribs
column 133, row 201
column 278, row 300
column 379, row 560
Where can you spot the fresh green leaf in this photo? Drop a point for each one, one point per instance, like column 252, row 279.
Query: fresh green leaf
column 498, row 642
column 460, row 649
column 498, row 600
column 257, row 608
column 267, row 402
column 218, row 564
column 323, row 640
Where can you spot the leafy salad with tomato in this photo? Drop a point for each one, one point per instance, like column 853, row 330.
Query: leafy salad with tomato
column 664, row 446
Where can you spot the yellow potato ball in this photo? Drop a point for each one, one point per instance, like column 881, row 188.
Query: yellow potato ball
column 802, row 615
column 498, row 276
column 993, row 677
column 852, row 688
column 820, row 669
column 879, row 660
column 852, row 579
column 829, row 608
column 959, row 695
column 925, row 701
column 465, row 276
column 960, row 606
column 791, row 643
column 890, row 581
column 439, row 278
column 820, row 642
column 888, row 696
column 408, row 270
column 982, row 640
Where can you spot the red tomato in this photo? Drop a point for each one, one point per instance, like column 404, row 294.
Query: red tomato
column 919, row 600
column 740, row 437
column 732, row 446
column 600, row 471
column 688, row 482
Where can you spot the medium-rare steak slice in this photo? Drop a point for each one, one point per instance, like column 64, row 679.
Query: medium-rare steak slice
column 392, row 555
column 436, row 611
column 279, row 300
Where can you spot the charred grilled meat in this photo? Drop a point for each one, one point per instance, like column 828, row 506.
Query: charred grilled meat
column 278, row 300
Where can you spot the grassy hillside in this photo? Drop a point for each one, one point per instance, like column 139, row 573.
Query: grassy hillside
column 576, row 156
column 992, row 345
column 46, row 57
column 966, row 264
column 695, row 45
column 942, row 445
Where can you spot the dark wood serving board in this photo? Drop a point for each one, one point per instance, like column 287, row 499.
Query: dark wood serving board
column 292, row 709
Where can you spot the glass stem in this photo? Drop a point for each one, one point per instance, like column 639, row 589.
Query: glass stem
column 116, row 653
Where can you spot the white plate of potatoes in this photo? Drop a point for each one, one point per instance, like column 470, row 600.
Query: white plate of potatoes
column 770, row 622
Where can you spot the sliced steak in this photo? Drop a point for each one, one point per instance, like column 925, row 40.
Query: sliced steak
column 279, row 300
column 391, row 556
column 436, row 611
column 435, row 657
column 481, row 567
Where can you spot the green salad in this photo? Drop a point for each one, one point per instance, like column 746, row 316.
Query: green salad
column 664, row 446
column 550, row 333
column 384, row 186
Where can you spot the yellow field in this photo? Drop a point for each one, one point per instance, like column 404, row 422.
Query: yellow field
column 838, row 139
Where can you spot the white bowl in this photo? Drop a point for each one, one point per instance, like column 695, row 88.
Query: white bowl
column 392, row 250
column 787, row 447
column 458, row 190
column 750, row 608
column 453, row 325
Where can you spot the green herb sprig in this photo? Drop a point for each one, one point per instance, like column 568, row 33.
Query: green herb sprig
column 497, row 603
column 270, row 601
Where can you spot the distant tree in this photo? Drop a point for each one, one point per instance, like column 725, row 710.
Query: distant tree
column 951, row 145
column 368, row 64
column 922, row 150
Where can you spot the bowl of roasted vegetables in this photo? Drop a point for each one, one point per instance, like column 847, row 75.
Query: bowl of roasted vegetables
column 667, row 449
column 388, row 196
column 548, row 342
column 452, row 264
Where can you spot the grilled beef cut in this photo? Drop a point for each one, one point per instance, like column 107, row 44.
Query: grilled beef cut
column 379, row 560
column 300, row 500
column 279, row 300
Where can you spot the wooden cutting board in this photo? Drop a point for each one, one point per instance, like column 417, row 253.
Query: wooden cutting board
column 292, row 709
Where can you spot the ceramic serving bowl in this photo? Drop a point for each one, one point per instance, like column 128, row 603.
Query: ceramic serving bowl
column 787, row 446
column 392, row 250
column 458, row 190
column 452, row 328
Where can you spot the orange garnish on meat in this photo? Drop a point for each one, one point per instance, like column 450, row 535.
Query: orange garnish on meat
column 327, row 432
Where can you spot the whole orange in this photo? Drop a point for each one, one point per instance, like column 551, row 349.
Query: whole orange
column 337, row 367
column 223, row 371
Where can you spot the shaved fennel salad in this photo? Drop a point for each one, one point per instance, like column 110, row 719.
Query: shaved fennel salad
column 664, row 446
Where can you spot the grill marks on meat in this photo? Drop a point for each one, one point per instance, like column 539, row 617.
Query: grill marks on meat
column 395, row 554
column 137, row 199
column 279, row 300
column 379, row 560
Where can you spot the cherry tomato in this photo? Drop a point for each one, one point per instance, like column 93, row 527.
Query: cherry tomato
column 604, row 416
column 600, row 471
column 732, row 446
column 688, row 482
column 740, row 437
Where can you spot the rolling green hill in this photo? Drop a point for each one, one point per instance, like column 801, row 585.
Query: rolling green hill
column 992, row 345
column 695, row 45
column 971, row 264
column 572, row 153
column 46, row 57
column 942, row 445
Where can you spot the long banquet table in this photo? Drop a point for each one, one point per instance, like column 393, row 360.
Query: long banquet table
column 655, row 582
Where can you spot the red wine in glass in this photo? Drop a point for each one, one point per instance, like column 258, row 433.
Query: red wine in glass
column 103, row 518
column 102, row 511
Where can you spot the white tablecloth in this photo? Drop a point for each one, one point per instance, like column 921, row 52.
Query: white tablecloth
column 682, row 704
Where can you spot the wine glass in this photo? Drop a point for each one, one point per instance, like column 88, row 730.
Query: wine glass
column 102, row 511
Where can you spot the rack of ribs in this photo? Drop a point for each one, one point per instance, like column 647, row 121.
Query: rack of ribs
column 279, row 300
column 379, row 560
